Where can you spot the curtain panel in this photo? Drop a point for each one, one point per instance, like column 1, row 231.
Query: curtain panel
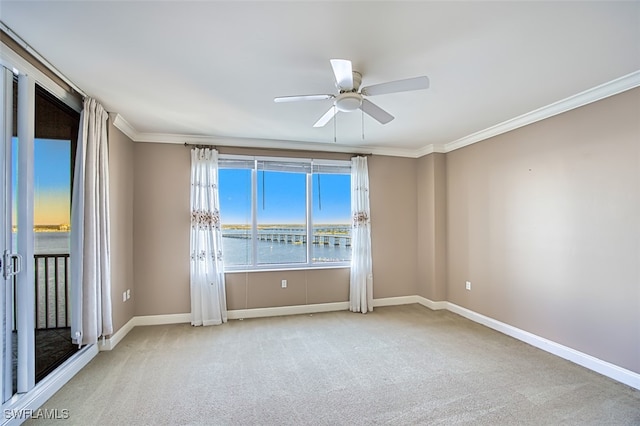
column 90, row 235
column 208, row 297
column 361, row 280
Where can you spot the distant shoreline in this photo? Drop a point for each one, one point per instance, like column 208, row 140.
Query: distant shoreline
column 289, row 225
column 48, row 228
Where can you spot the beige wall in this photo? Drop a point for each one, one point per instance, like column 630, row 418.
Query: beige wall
column 161, row 243
column 248, row 290
column 121, row 211
column 545, row 223
column 392, row 197
column 161, row 228
column 431, row 227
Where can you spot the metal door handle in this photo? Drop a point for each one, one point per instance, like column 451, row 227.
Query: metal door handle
column 9, row 269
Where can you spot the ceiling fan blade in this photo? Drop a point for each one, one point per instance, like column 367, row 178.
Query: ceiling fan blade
column 375, row 111
column 303, row 98
column 326, row 117
column 344, row 73
column 416, row 83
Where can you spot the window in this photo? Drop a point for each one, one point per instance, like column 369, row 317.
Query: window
column 284, row 213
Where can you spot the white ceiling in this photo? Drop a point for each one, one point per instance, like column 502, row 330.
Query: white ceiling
column 209, row 70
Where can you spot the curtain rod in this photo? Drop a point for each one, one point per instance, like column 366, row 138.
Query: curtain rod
column 353, row 154
column 191, row 145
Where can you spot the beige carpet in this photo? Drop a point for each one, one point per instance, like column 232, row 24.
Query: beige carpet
column 400, row 365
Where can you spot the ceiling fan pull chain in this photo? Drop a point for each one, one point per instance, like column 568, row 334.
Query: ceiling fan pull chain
column 335, row 124
column 362, row 115
column 264, row 193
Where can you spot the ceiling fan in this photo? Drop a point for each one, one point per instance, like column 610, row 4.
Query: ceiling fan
column 352, row 97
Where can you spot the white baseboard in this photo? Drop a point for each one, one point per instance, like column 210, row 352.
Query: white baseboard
column 32, row 400
column 287, row 310
column 603, row 367
column 163, row 319
column 434, row 306
column 115, row 338
column 394, row 301
column 599, row 366
column 255, row 313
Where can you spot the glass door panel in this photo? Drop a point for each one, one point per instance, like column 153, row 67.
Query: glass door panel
column 22, row 210
column 16, row 236
column 7, row 369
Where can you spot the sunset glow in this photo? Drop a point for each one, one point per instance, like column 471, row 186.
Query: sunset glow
column 52, row 182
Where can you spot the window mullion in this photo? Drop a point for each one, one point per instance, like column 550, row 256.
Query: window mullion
column 254, row 215
column 309, row 200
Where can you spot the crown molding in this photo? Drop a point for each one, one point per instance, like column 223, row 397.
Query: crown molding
column 135, row 136
column 594, row 94
column 121, row 124
column 597, row 93
column 429, row 149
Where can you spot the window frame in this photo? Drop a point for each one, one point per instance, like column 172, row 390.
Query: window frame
column 309, row 165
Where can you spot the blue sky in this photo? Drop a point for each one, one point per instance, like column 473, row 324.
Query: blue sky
column 332, row 204
column 52, row 181
column 285, row 198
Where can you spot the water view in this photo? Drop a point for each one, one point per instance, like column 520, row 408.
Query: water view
column 275, row 245
column 54, row 242
column 280, row 244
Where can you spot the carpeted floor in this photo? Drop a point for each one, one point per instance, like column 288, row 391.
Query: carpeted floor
column 401, row 365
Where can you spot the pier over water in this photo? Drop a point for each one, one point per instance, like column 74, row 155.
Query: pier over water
column 338, row 235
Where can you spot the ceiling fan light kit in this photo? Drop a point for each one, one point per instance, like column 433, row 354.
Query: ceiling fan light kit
column 348, row 101
column 352, row 98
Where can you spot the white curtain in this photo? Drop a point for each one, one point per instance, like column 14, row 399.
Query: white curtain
column 90, row 233
column 208, row 298
column 361, row 283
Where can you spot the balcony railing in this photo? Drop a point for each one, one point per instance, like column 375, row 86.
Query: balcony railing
column 52, row 291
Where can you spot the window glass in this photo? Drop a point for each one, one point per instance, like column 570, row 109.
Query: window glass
column 282, row 217
column 235, row 215
column 331, row 217
column 52, row 204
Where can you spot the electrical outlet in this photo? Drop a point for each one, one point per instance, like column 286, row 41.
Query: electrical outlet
column 284, row 283
column 468, row 285
column 124, row 296
column 128, row 294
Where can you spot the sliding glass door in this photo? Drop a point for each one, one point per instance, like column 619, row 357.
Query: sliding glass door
column 7, row 372
column 37, row 145
column 16, row 166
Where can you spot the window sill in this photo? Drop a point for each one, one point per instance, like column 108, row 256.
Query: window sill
column 280, row 268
